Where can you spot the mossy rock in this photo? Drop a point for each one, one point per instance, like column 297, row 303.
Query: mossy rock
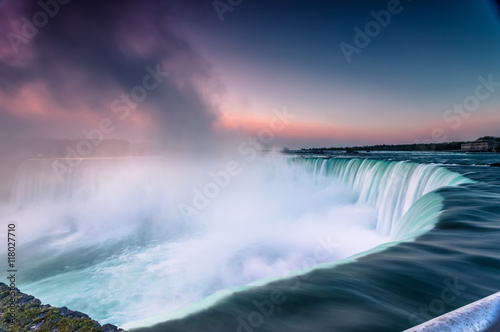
column 31, row 315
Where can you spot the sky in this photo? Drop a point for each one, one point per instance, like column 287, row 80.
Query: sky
column 198, row 73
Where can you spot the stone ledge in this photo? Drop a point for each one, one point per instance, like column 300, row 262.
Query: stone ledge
column 32, row 315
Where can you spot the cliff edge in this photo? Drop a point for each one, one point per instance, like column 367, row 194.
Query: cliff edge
column 21, row 312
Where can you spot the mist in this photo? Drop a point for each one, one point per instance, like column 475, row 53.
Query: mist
column 122, row 223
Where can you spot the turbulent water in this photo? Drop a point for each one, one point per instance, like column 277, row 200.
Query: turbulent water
column 380, row 242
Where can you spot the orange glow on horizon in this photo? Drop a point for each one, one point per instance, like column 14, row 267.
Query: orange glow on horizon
column 251, row 124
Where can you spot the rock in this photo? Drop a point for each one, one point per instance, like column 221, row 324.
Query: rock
column 111, row 328
column 495, row 165
column 65, row 312
column 28, row 299
column 41, row 317
column 36, row 326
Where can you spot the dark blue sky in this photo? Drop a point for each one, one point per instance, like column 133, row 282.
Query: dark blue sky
column 427, row 58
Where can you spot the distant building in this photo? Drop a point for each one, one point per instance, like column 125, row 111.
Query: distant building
column 485, row 144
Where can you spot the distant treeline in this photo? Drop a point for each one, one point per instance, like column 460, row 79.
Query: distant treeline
column 406, row 147
column 451, row 146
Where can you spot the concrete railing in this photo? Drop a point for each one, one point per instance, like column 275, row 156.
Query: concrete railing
column 479, row 316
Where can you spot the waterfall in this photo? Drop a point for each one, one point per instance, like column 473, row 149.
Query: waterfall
column 279, row 216
column 391, row 187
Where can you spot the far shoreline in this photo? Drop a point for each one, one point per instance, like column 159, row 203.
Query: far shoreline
column 483, row 145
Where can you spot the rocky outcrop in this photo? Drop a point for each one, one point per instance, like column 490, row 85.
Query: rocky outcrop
column 29, row 314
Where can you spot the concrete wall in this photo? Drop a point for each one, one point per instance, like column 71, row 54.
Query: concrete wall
column 479, row 316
